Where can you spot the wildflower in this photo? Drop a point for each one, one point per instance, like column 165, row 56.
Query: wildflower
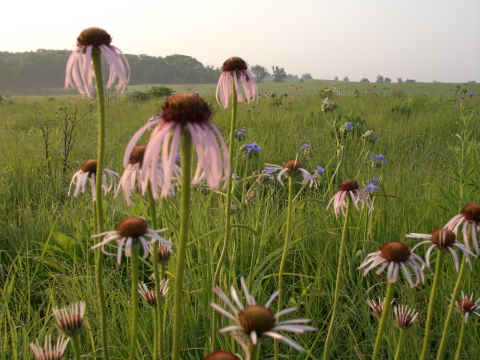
column 132, row 172
column 328, row 106
column 150, row 296
column 88, row 171
column 292, row 168
column 393, row 256
column 470, row 94
column 70, row 319
column 304, row 146
column 221, row 355
column 49, row 351
column 179, row 111
column 265, row 179
column 237, row 69
column 130, row 231
column 376, row 308
column 256, row 321
column 240, row 134
column 251, row 150
column 467, row 306
column 470, row 217
column 370, row 136
column 371, row 187
column 79, row 65
column 164, row 253
column 441, row 239
column 349, row 188
column 404, row 317
column 346, row 128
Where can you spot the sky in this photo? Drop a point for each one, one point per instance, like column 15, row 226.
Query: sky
column 424, row 40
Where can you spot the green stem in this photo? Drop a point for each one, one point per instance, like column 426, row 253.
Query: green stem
column 326, row 355
column 431, row 304
column 133, row 334
column 383, row 320
column 460, row 341
column 446, row 326
column 228, row 209
column 186, row 175
column 98, row 205
column 285, row 251
column 398, row 353
column 76, row 346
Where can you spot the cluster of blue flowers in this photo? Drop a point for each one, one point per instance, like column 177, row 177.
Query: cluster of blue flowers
column 251, row 150
column 372, row 186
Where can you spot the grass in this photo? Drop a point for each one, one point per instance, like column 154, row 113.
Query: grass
column 430, row 175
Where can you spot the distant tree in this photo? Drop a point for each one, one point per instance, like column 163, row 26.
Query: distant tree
column 291, row 76
column 259, row 72
column 346, row 78
column 279, row 74
column 410, row 81
column 307, row 76
column 387, row 80
column 335, row 78
column 472, row 82
column 379, row 79
column 365, row 80
column 399, row 80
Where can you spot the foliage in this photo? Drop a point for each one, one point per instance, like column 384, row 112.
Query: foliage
column 365, row 80
column 279, row 74
column 152, row 92
column 400, row 80
column 346, row 78
column 307, row 76
column 410, row 81
column 379, row 79
column 387, row 80
column 259, row 72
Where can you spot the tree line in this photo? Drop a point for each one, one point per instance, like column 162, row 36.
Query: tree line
column 46, row 69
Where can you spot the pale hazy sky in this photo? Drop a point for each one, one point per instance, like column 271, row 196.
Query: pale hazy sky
column 424, row 40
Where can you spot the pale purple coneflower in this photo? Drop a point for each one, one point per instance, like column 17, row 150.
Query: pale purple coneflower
column 70, row 319
column 129, row 180
column 50, row 351
column 377, row 308
column 179, row 111
column 150, row 295
column 79, row 65
column 467, row 306
column 470, row 218
column 291, row 168
column 442, row 239
column 349, row 188
column 130, row 231
column 404, row 316
column 394, row 256
column 256, row 321
column 237, row 69
column 88, row 172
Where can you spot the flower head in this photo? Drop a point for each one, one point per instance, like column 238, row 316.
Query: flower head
column 394, row 256
column 164, row 253
column 236, row 68
column 240, row 134
column 442, row 239
column 404, row 317
column 467, row 306
column 377, row 308
column 130, row 231
column 470, row 94
column 79, row 66
column 50, row 351
column 183, row 110
column 251, row 150
column 370, row 136
column 349, row 188
column 470, row 218
column 70, row 319
column 346, row 128
column 150, row 296
column 292, row 168
column 221, row 355
column 328, row 106
column 89, row 171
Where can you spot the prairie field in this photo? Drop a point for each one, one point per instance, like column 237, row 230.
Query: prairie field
column 427, row 133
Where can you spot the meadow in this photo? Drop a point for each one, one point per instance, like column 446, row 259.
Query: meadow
column 426, row 132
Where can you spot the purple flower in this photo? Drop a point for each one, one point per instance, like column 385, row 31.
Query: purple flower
column 374, row 181
column 371, row 187
column 320, row 170
column 378, row 158
column 304, row 146
column 470, row 94
column 325, row 100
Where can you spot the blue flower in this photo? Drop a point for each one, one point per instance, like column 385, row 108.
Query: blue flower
column 349, row 125
column 320, row 170
column 371, row 187
column 251, row 150
column 325, row 100
column 378, row 158
column 470, row 94
column 374, row 181
column 304, row 146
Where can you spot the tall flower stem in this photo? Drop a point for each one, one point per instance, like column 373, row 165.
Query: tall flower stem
column 285, row 251
column 76, row 346
column 133, row 335
column 326, row 355
column 383, row 320
column 446, row 326
column 157, row 277
column 431, row 304
column 398, row 353
column 186, row 175
column 228, row 209
column 460, row 341
column 98, row 205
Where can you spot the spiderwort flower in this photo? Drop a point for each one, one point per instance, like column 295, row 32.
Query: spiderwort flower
column 88, row 171
column 291, row 168
column 182, row 110
column 257, row 321
column 251, row 150
column 346, row 128
column 130, row 231
column 79, row 67
column 394, row 256
column 470, row 94
column 237, row 69
column 404, row 316
column 442, row 239
column 349, row 188
column 50, row 351
column 470, row 218
column 70, row 319
column 467, row 306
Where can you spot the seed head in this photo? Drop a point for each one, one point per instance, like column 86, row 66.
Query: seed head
column 90, row 166
column 395, row 251
column 256, row 318
column 292, row 166
column 221, row 355
column 348, row 185
column 466, row 305
column 136, row 157
column 132, row 228
column 94, row 36
column 164, row 253
column 443, row 238
column 186, row 108
column 234, row 64
column 471, row 212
